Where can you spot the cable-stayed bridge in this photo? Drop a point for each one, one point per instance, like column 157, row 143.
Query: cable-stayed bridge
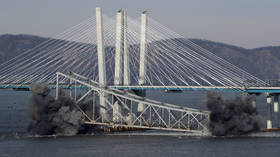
column 116, row 59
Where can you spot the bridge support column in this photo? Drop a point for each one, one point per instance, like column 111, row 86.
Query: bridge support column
column 101, row 62
column 75, row 96
column 119, row 46
column 142, row 67
column 126, row 63
column 117, row 111
column 276, row 110
column 254, row 101
column 142, row 63
column 126, row 69
column 118, row 60
column 141, row 106
column 70, row 86
column 57, row 87
column 268, row 116
column 93, row 104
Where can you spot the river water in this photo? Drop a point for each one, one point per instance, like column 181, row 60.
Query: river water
column 14, row 141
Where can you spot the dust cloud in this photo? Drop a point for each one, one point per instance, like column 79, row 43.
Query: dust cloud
column 232, row 117
column 55, row 117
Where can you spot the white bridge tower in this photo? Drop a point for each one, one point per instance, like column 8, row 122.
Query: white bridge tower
column 101, row 62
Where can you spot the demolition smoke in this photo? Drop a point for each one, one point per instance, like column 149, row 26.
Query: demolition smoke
column 50, row 116
column 232, row 117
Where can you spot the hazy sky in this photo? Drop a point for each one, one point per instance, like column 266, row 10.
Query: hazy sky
column 246, row 23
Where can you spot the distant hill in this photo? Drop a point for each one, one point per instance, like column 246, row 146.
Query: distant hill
column 13, row 45
column 263, row 62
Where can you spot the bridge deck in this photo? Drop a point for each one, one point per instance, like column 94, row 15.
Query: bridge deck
column 167, row 88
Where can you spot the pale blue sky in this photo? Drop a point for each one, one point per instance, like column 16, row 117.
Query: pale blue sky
column 247, row 23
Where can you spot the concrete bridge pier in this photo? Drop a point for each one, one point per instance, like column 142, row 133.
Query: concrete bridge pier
column 268, row 111
column 117, row 111
column 57, row 87
column 276, row 110
column 142, row 61
column 254, row 101
column 118, row 62
column 101, row 63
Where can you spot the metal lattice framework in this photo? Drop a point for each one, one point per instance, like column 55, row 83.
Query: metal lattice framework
column 121, row 109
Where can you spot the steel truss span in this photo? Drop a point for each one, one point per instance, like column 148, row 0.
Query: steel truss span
column 121, row 109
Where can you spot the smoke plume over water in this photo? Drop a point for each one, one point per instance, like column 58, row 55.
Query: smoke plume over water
column 233, row 116
column 53, row 117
